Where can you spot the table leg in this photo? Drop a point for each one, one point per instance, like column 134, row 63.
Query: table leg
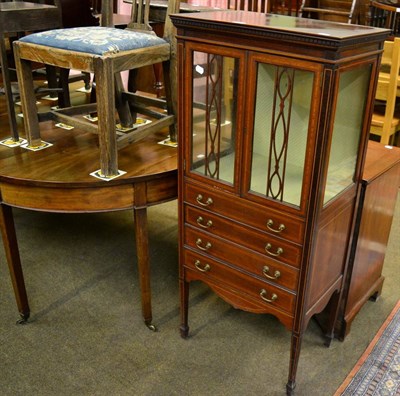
column 14, row 261
column 142, row 248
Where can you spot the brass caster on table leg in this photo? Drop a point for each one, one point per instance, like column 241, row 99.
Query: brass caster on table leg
column 23, row 320
column 290, row 388
column 184, row 330
column 151, row 326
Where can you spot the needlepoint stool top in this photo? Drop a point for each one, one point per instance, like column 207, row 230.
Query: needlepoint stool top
column 96, row 40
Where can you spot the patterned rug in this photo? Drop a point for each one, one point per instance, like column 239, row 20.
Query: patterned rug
column 378, row 370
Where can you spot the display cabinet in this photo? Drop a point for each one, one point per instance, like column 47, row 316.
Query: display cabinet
column 274, row 114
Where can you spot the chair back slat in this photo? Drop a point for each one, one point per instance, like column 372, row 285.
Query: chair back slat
column 247, row 5
column 107, row 13
column 140, row 15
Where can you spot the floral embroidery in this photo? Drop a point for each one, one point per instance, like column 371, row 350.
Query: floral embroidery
column 94, row 39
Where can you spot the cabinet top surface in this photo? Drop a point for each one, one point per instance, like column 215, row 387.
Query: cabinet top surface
column 379, row 159
column 254, row 21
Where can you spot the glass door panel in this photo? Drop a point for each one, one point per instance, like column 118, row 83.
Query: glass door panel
column 214, row 107
column 350, row 109
column 282, row 112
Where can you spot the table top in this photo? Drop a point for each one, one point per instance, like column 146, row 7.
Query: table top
column 74, row 155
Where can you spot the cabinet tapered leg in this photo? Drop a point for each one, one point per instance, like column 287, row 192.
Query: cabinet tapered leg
column 13, row 259
column 184, row 295
column 294, row 361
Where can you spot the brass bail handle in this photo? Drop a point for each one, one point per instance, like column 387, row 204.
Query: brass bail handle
column 265, row 271
column 204, row 268
column 200, row 222
column 268, row 247
column 199, row 244
column 208, row 201
column 263, row 295
column 280, row 228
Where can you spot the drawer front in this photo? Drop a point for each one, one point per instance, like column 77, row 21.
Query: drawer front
column 266, row 244
column 254, row 263
column 263, row 218
column 262, row 292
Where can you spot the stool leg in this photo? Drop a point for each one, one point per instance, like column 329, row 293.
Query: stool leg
column 105, row 90
column 28, row 99
column 7, row 90
column 13, row 259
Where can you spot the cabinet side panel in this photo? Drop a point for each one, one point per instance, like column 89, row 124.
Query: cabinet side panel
column 330, row 254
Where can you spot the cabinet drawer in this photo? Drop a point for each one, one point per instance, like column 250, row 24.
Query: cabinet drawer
column 264, row 293
column 239, row 209
column 245, row 259
column 266, row 244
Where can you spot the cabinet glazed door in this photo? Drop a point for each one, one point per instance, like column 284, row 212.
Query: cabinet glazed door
column 349, row 121
column 284, row 96
column 215, row 81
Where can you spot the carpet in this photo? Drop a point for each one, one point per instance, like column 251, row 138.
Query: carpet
column 377, row 372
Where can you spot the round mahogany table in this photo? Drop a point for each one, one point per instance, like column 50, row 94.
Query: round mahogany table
column 57, row 179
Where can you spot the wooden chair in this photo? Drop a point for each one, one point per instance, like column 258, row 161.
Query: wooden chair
column 104, row 51
column 349, row 11
column 385, row 15
column 248, row 5
column 386, row 117
column 16, row 17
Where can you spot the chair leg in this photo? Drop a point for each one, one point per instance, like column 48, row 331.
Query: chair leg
column 51, row 75
column 124, row 113
column 64, row 99
column 28, row 99
column 86, row 80
column 103, row 70
column 7, row 89
column 170, row 101
column 132, row 87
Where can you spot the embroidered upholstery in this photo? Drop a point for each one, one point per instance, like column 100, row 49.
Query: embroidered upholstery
column 95, row 40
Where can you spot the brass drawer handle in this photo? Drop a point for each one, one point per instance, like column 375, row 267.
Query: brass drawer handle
column 200, row 222
column 199, row 243
column 206, row 268
column 263, row 294
column 208, row 202
column 268, row 247
column 270, row 223
column 265, row 271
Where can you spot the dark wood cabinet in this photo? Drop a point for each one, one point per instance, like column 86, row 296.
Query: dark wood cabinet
column 380, row 186
column 273, row 119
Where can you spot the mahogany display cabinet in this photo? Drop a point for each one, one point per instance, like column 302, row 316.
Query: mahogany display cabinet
column 274, row 113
